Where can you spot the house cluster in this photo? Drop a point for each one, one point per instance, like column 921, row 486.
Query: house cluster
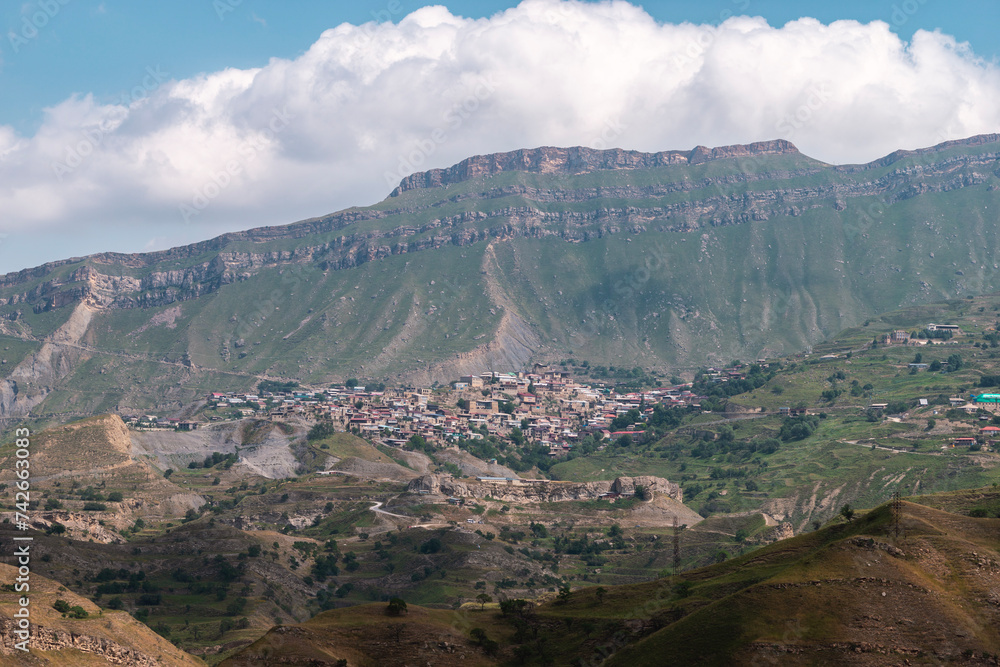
column 546, row 405
column 900, row 337
column 987, row 439
column 153, row 422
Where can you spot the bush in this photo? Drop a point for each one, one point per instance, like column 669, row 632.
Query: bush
column 94, row 507
column 115, row 497
column 396, row 607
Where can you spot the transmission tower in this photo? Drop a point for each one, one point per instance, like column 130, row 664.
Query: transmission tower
column 897, row 514
column 677, row 547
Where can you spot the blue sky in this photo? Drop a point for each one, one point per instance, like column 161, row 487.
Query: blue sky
column 133, row 82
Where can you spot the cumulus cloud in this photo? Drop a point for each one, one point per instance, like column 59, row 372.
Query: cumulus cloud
column 178, row 160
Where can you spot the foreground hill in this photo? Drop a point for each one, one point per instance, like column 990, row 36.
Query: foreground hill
column 847, row 594
column 101, row 638
column 662, row 260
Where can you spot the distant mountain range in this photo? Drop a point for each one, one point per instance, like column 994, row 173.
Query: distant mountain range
column 667, row 261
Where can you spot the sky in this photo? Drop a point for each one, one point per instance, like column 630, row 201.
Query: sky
column 134, row 125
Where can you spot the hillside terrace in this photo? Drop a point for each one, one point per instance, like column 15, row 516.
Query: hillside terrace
column 557, row 410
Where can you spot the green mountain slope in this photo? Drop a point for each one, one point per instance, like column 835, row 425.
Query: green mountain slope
column 662, row 260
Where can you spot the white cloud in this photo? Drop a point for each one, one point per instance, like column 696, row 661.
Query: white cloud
column 366, row 104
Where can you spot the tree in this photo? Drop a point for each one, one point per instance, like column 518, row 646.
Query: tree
column 954, row 362
column 564, row 595
column 931, row 423
column 320, row 431
column 847, row 513
column 482, row 599
column 431, row 546
column 600, row 592
column 396, row 607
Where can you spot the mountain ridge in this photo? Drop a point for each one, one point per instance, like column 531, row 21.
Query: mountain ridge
column 481, row 165
column 581, row 160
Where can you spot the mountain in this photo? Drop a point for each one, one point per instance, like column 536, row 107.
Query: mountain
column 666, row 261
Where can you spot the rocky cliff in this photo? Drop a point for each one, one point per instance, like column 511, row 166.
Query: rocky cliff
column 543, row 491
column 707, row 205
column 581, row 160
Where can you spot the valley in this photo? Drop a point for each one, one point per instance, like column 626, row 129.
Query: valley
column 554, row 406
column 215, row 535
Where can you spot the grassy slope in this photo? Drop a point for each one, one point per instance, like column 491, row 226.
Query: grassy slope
column 115, row 627
column 810, row 479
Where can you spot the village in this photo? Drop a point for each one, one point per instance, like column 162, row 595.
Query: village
column 546, row 405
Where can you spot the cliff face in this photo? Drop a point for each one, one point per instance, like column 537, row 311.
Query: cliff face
column 580, row 160
column 700, row 203
column 544, row 491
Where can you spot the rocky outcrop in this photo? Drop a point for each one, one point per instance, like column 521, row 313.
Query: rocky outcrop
column 543, row 491
column 782, row 531
column 47, row 639
column 579, row 160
